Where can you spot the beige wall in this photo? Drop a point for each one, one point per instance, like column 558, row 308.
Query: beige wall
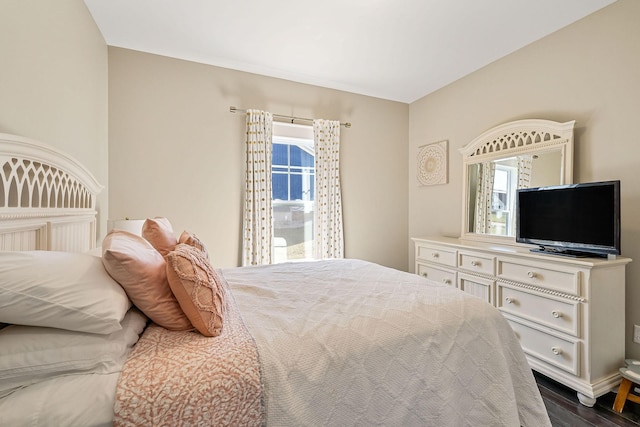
column 590, row 72
column 53, row 81
column 175, row 150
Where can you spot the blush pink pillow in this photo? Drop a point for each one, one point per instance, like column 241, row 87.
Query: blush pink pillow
column 198, row 288
column 190, row 239
column 142, row 273
column 159, row 233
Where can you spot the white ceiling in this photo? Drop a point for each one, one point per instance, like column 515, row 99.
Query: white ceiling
column 390, row 49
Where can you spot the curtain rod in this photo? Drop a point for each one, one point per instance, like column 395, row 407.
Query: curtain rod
column 285, row 118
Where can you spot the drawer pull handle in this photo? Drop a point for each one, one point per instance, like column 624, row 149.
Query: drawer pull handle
column 531, row 274
column 509, row 300
column 446, row 281
column 475, row 263
column 435, row 255
column 556, row 314
column 424, row 274
column 557, row 351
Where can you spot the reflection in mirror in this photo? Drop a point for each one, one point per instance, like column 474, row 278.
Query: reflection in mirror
column 492, row 189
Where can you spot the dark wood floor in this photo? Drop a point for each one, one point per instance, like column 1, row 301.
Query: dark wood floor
column 566, row 411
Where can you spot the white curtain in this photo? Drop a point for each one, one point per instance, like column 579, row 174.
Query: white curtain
column 525, row 164
column 486, row 172
column 525, row 169
column 258, row 216
column 327, row 224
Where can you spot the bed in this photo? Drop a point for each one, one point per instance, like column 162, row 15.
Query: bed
column 333, row 342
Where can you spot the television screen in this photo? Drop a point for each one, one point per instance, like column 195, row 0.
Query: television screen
column 571, row 219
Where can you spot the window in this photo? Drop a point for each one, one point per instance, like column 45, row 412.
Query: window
column 502, row 205
column 293, row 192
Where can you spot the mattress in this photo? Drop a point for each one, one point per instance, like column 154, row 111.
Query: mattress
column 84, row 400
column 348, row 342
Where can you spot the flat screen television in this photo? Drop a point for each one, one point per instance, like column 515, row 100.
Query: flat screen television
column 573, row 219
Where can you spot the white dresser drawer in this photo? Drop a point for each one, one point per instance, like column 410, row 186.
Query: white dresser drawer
column 478, row 286
column 563, row 353
column 436, row 275
column 436, row 254
column 564, row 280
column 560, row 314
column 477, row 262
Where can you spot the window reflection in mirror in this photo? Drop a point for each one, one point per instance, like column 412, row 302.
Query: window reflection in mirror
column 503, row 200
column 492, row 189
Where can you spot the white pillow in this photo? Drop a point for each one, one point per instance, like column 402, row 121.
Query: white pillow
column 60, row 290
column 30, row 354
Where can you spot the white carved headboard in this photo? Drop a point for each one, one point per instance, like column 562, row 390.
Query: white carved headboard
column 47, row 198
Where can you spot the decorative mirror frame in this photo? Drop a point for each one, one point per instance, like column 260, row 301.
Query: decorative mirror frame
column 530, row 136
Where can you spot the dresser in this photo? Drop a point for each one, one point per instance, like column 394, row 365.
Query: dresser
column 568, row 313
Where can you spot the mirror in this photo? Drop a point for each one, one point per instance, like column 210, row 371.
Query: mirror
column 492, row 187
column 522, row 154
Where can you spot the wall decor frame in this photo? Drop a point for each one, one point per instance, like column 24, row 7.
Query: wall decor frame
column 433, row 162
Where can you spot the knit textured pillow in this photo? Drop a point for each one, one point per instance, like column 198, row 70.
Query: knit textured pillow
column 191, row 240
column 198, row 288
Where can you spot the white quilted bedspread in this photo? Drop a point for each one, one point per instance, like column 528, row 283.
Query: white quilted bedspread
column 350, row 343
